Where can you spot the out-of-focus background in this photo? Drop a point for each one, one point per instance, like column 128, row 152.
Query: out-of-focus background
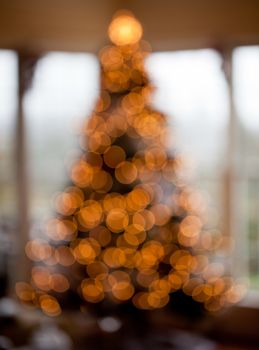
column 205, row 66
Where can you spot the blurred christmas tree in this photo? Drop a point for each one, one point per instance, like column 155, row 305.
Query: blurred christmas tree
column 128, row 231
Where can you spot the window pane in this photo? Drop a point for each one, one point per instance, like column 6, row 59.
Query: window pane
column 246, row 87
column 192, row 91
column 63, row 91
column 8, row 105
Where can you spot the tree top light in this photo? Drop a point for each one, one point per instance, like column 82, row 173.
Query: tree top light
column 125, row 29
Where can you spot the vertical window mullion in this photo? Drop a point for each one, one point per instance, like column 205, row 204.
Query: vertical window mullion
column 26, row 63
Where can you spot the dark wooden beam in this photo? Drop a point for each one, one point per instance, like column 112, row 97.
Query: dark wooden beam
column 80, row 25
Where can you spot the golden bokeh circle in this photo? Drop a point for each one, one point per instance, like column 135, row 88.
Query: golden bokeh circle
column 125, row 30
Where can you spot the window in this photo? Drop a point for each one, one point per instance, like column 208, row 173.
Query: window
column 246, row 172
column 192, row 91
column 63, row 91
column 8, row 106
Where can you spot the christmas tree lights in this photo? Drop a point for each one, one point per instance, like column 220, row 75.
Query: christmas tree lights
column 127, row 228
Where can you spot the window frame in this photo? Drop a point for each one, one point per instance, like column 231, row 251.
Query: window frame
column 230, row 174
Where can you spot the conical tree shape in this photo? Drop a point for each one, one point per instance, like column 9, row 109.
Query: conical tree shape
column 127, row 229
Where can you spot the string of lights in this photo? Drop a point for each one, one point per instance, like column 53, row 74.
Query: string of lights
column 127, row 228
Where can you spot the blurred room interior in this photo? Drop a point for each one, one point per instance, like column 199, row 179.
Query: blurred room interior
column 204, row 66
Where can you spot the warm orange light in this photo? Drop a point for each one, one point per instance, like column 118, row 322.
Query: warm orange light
column 49, row 305
column 67, row 202
column 113, row 156
column 123, row 290
column 129, row 221
column 137, row 199
column 117, row 220
column 101, row 234
column 125, row 30
column 146, row 277
column 111, row 58
column 90, row 215
column 144, row 218
column 114, row 257
column 58, row 229
column 92, row 290
column 112, row 201
column 102, row 181
column 64, row 256
column 81, row 173
column 161, row 213
column 86, row 250
column 118, row 276
column 134, row 234
column 59, row 283
column 38, row 250
column 24, row 291
column 97, row 269
column 126, row 172
column 41, row 278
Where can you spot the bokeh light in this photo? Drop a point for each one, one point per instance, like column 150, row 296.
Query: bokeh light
column 128, row 228
column 125, row 30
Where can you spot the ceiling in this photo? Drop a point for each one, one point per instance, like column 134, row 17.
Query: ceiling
column 80, row 25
